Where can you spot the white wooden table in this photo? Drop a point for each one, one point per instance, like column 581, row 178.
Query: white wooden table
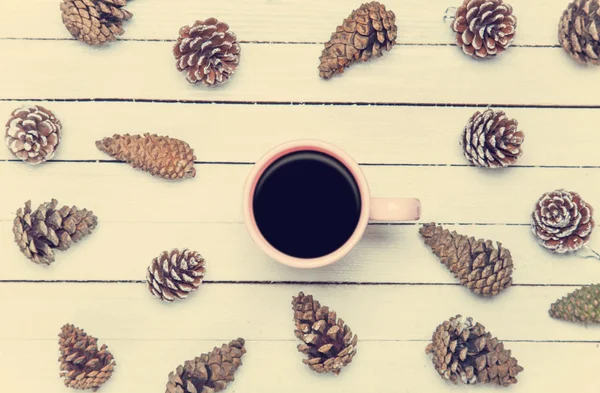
column 400, row 116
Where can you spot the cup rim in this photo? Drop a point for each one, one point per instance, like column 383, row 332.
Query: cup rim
column 302, row 145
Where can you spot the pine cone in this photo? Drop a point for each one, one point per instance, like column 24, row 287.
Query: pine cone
column 210, row 372
column 366, row 33
column 39, row 232
column 162, row 156
column 581, row 305
column 327, row 340
column 578, row 31
column 82, row 364
column 207, row 51
column 479, row 266
column 492, row 140
column 95, row 22
column 463, row 351
column 562, row 221
column 176, row 274
column 484, row 28
column 33, row 134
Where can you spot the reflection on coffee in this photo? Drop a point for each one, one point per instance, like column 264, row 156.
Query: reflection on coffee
column 307, row 204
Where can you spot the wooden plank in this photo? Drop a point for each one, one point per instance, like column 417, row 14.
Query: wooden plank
column 263, row 312
column 371, row 134
column 391, row 254
column 145, row 70
column 300, row 21
column 114, row 191
column 276, row 367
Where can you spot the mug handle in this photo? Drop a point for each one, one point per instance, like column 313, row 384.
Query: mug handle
column 395, row 209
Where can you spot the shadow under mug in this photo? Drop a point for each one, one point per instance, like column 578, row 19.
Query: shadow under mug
column 374, row 209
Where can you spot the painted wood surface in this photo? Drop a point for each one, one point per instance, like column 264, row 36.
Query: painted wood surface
column 400, row 117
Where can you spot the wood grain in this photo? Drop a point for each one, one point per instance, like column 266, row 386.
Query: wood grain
column 288, row 73
column 371, row 134
column 275, row 366
column 288, row 21
column 263, row 312
column 448, row 194
column 387, row 254
column 400, row 116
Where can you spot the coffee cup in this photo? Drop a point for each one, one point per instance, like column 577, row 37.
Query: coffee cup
column 307, row 203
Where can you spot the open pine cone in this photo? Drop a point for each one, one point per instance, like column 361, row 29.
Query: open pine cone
column 95, row 22
column 463, row 351
column 492, row 140
column 174, row 275
column 39, row 232
column 207, row 51
column 484, row 28
column 578, row 31
column 581, row 305
column 161, row 156
column 562, row 221
column 327, row 340
column 484, row 269
column 82, row 364
column 366, row 33
column 33, row 134
column 210, row 372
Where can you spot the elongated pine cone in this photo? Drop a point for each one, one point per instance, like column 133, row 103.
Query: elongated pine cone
column 578, row 31
column 82, row 364
column 207, row 51
column 484, row 28
column 174, row 275
column 562, row 221
column 366, row 33
column 492, row 140
column 95, row 22
column 484, row 269
column 581, row 305
column 33, row 134
column 464, row 351
column 326, row 340
column 161, row 156
column 39, row 232
column 210, row 372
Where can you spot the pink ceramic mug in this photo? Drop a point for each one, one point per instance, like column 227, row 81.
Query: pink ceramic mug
column 375, row 209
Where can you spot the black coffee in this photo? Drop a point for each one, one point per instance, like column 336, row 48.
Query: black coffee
column 307, row 204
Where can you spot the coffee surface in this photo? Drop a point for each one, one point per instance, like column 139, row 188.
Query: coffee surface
column 307, row 204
